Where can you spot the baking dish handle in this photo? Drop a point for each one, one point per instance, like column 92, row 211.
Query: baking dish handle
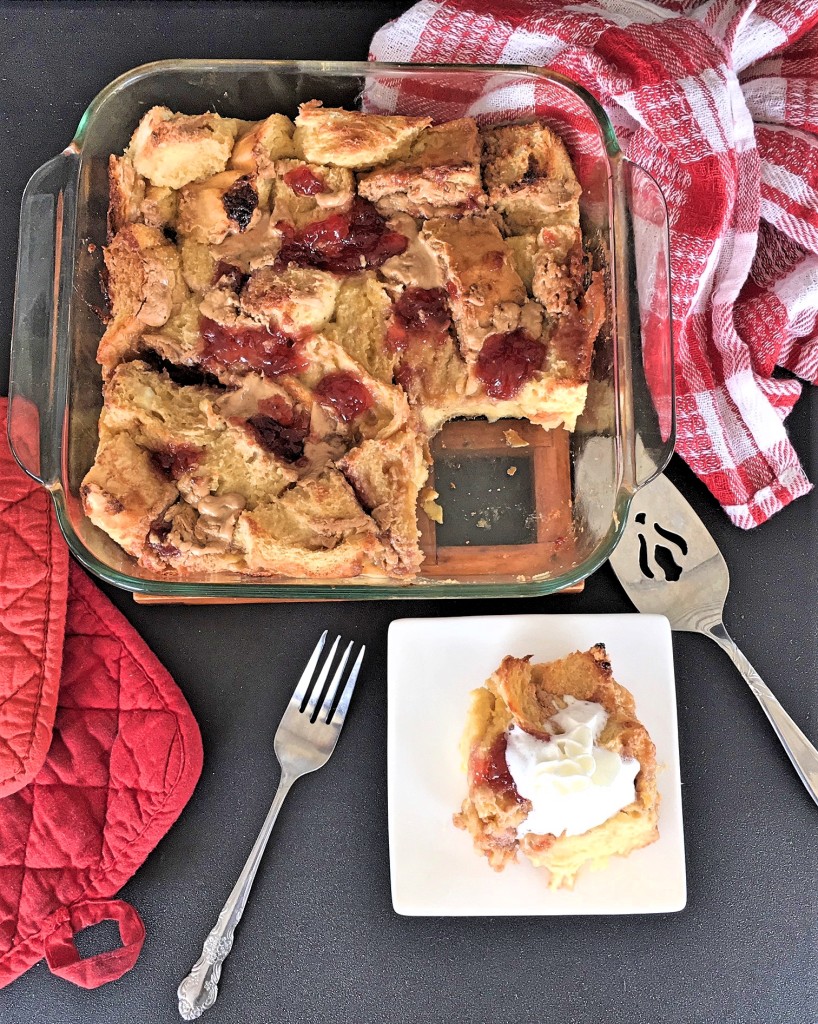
column 39, row 339
column 646, row 299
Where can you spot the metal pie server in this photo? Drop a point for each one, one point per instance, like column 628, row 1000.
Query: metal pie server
column 669, row 565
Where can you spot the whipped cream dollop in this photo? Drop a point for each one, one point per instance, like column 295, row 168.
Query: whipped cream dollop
column 572, row 783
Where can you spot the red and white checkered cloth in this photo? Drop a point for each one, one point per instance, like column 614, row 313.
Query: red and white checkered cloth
column 719, row 102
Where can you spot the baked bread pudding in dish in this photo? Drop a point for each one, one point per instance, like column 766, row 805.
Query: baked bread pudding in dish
column 559, row 767
column 296, row 308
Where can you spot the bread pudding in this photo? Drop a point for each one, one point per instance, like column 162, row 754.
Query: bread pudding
column 559, row 767
column 296, row 308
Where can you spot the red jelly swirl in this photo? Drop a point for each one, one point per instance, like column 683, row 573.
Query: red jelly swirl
column 343, row 243
column 490, row 768
column 345, row 394
column 507, row 361
column 420, row 313
column 304, row 182
column 268, row 351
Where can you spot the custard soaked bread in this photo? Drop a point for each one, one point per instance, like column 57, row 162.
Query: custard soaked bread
column 559, row 767
column 298, row 306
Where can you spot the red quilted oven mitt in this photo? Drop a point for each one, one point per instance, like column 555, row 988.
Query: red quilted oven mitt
column 33, row 592
column 123, row 760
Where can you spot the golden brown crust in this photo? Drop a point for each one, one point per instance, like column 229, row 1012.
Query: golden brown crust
column 316, row 529
column 528, row 175
column 260, row 144
column 529, row 695
column 174, row 149
column 493, row 809
column 295, row 299
column 558, row 268
column 121, row 341
column 440, row 176
column 126, row 191
column 125, row 491
column 481, row 277
column 387, row 475
column 347, row 138
column 144, row 275
column 571, row 344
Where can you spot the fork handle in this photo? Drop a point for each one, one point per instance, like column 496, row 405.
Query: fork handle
column 199, row 989
column 800, row 751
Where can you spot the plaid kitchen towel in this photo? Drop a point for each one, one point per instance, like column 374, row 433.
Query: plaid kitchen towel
column 719, row 102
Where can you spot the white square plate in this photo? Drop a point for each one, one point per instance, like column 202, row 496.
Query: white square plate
column 434, row 664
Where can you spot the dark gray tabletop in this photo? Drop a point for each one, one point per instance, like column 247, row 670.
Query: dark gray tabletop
column 320, row 942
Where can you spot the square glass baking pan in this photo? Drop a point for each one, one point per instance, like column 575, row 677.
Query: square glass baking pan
column 518, row 521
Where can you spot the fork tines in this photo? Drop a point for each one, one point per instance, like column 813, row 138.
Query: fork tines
column 319, row 701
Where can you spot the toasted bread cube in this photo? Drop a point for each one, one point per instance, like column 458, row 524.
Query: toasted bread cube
column 528, row 174
column 259, row 147
column 125, row 491
column 434, row 376
column 523, row 250
column 152, row 410
column 122, row 340
column 223, row 205
column 571, row 341
column 481, row 277
column 294, row 299
column 360, row 321
column 144, row 275
column 158, row 208
column 348, row 138
column 198, row 264
column 559, row 267
column 204, row 450
column 179, row 340
column 126, row 190
column 315, row 529
column 440, row 175
column 262, row 143
column 175, row 149
column 387, row 474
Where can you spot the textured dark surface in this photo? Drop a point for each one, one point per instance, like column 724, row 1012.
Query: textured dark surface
column 319, row 942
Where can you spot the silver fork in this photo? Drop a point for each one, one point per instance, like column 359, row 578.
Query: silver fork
column 304, row 740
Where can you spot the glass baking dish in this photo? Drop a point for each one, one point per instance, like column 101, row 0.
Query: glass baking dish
column 520, row 521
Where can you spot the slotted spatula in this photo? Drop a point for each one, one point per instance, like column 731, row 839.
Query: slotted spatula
column 669, row 565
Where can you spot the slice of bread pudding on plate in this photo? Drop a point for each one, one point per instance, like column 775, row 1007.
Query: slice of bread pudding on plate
column 560, row 769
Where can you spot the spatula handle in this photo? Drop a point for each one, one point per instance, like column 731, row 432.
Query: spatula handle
column 800, row 751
